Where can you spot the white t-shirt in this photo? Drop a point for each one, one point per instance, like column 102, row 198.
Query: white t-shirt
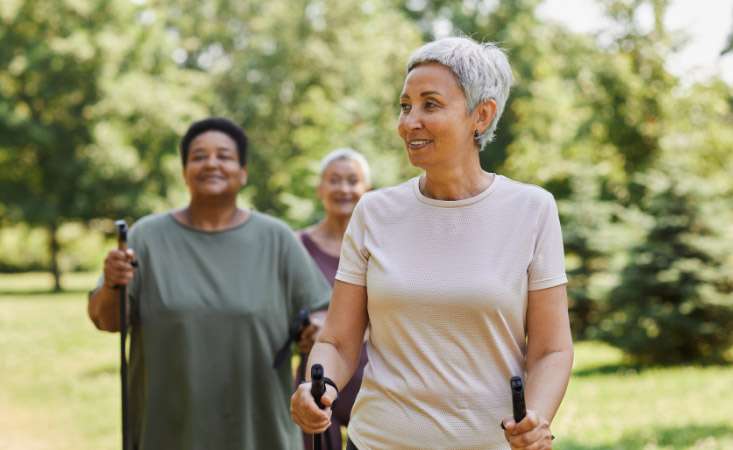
column 447, row 286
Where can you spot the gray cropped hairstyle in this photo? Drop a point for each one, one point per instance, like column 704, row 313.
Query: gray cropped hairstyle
column 482, row 71
column 348, row 154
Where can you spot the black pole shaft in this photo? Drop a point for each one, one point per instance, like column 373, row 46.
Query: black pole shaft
column 122, row 245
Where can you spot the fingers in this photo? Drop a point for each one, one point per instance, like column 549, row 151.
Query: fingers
column 118, row 267
column 329, row 396
column 306, row 414
column 308, row 338
column 531, row 433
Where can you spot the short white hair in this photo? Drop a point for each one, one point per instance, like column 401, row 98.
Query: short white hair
column 348, row 154
column 482, row 70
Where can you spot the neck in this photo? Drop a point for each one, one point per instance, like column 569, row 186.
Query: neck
column 455, row 183
column 213, row 215
column 333, row 227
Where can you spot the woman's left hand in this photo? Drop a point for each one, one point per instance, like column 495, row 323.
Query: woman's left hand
column 308, row 338
column 531, row 433
column 310, row 333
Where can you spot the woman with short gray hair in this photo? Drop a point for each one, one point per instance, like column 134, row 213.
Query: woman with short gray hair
column 343, row 179
column 459, row 275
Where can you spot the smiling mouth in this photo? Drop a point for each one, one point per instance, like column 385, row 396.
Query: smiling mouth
column 417, row 144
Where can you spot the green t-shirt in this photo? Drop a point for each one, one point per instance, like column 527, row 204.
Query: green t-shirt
column 209, row 312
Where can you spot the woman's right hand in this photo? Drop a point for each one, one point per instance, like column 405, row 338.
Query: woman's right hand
column 119, row 268
column 306, row 414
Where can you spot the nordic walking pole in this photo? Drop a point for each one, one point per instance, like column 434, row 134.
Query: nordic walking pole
column 318, row 388
column 122, row 245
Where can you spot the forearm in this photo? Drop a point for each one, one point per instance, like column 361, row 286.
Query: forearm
column 547, row 380
column 339, row 364
column 104, row 308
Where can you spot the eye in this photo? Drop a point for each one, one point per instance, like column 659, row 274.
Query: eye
column 405, row 107
column 430, row 105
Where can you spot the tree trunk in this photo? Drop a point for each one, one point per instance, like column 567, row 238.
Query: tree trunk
column 54, row 248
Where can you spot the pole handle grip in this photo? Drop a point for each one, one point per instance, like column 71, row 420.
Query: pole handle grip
column 121, row 226
column 318, row 386
column 518, row 405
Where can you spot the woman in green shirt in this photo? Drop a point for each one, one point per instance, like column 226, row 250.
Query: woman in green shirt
column 214, row 291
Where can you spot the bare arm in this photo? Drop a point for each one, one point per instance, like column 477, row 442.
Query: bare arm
column 549, row 350
column 549, row 362
column 337, row 350
column 338, row 346
column 104, row 307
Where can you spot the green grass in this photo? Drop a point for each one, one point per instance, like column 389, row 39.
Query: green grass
column 59, row 385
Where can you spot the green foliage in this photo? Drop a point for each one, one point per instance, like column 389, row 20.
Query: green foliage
column 303, row 77
column 674, row 301
column 95, row 94
column 78, row 141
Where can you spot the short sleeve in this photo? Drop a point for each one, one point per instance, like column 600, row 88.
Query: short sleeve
column 354, row 255
column 305, row 284
column 547, row 267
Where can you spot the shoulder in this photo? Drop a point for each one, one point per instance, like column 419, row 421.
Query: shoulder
column 271, row 223
column 272, row 228
column 528, row 194
column 152, row 223
column 388, row 201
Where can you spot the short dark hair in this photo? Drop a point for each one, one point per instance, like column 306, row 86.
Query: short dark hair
column 222, row 124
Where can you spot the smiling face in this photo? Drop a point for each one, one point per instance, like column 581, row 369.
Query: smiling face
column 342, row 185
column 434, row 120
column 212, row 167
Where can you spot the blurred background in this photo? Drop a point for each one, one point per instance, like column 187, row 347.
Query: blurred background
column 623, row 109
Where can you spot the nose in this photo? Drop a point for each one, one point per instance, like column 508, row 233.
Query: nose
column 410, row 121
column 211, row 160
column 343, row 186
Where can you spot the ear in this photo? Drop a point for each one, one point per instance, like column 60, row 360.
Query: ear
column 483, row 114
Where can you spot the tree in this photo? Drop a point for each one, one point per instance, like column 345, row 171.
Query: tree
column 69, row 150
column 674, row 302
column 302, row 77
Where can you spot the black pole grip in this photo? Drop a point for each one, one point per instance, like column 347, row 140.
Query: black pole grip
column 318, row 386
column 520, row 410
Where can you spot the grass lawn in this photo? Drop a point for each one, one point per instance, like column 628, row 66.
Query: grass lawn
column 59, row 385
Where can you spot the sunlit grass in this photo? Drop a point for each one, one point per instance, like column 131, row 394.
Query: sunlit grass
column 59, row 385
column 611, row 405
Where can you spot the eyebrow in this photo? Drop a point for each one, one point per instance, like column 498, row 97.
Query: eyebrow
column 201, row 149
column 423, row 94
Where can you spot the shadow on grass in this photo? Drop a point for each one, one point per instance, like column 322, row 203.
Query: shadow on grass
column 611, row 369
column 676, row 438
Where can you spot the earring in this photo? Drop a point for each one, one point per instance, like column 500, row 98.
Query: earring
column 476, row 136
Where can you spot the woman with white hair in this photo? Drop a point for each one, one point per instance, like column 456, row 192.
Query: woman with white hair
column 459, row 275
column 344, row 178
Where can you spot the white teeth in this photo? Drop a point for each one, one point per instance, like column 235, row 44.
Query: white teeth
column 419, row 142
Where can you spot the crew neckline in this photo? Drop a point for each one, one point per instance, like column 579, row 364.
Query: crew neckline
column 455, row 203
column 187, row 227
